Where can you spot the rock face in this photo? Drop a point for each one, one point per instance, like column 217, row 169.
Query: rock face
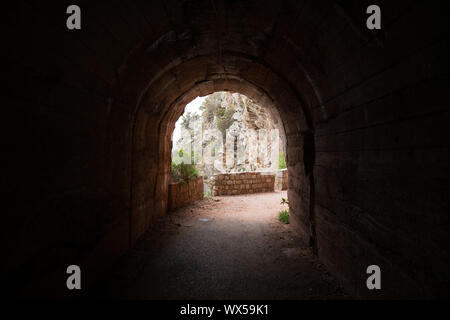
column 233, row 134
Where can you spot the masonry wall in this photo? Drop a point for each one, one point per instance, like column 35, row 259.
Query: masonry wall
column 242, row 183
column 281, row 179
column 380, row 165
column 181, row 194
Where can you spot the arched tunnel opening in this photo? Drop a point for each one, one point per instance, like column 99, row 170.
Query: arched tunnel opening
column 225, row 133
column 361, row 113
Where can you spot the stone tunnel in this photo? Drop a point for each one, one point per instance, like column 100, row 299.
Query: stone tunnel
column 362, row 112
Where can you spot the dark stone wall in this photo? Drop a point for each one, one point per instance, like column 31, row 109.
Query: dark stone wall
column 363, row 115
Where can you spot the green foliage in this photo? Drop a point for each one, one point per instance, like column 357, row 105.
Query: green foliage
column 188, row 119
column 281, row 161
column 225, row 118
column 177, row 156
column 183, row 172
column 208, row 194
column 209, row 106
column 212, row 108
column 284, row 216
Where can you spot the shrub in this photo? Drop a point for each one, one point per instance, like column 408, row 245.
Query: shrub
column 183, row 172
column 284, row 216
column 177, row 156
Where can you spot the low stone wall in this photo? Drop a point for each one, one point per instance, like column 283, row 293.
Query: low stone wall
column 241, row 183
column 181, row 194
column 281, row 180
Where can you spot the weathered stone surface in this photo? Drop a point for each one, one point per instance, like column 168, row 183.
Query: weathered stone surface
column 255, row 182
column 181, row 194
column 281, row 179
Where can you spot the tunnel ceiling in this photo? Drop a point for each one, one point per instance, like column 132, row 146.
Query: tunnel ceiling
column 263, row 58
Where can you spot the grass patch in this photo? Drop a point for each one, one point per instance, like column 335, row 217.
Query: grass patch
column 284, row 216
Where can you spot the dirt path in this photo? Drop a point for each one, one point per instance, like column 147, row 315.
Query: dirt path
column 222, row 248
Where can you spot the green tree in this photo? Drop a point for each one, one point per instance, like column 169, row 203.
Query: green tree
column 187, row 122
column 281, row 161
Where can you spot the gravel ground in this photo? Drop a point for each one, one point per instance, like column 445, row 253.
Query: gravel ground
column 221, row 248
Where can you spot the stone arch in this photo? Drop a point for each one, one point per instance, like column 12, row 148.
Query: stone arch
column 170, row 101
